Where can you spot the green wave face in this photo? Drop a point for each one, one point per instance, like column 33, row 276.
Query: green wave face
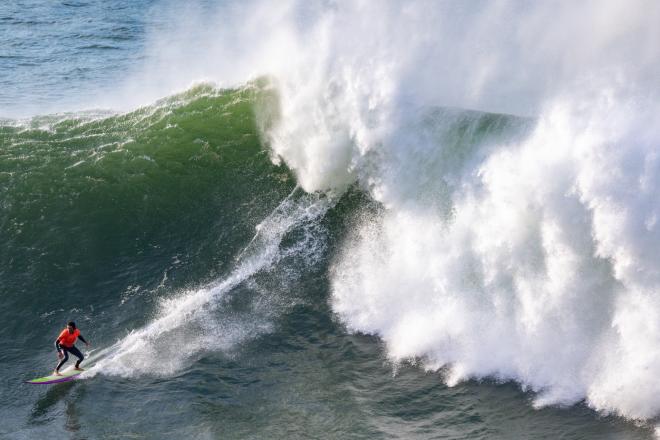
column 92, row 204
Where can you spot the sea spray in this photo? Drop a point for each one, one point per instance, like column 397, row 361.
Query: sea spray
column 190, row 319
column 544, row 271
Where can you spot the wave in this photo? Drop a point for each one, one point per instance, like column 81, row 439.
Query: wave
column 99, row 205
column 504, row 247
column 516, row 248
column 130, row 198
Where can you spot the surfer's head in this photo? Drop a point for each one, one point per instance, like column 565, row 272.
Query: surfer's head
column 71, row 325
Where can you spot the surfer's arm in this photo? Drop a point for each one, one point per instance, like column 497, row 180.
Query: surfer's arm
column 57, row 345
column 83, row 339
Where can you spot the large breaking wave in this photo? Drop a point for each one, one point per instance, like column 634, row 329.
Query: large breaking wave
column 517, row 248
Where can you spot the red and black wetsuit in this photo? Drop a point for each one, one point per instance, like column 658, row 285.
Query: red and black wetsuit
column 64, row 342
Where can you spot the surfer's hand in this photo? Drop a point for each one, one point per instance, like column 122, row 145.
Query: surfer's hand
column 60, row 354
column 87, row 344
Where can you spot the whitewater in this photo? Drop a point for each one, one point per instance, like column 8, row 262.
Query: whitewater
column 531, row 259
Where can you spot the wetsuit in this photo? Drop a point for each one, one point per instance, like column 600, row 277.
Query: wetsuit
column 64, row 342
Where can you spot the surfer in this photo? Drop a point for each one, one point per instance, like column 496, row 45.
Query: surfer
column 64, row 345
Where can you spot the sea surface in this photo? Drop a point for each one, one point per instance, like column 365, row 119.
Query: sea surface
column 330, row 220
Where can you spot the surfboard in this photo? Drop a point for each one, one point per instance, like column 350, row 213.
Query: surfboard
column 65, row 377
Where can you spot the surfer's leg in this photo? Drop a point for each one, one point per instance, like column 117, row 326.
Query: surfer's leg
column 64, row 359
column 74, row 350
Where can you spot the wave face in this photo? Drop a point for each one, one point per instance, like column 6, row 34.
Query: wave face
column 177, row 245
column 140, row 203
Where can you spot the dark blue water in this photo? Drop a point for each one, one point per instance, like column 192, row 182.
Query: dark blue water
column 54, row 53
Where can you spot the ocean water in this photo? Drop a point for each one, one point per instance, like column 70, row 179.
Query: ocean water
column 331, row 219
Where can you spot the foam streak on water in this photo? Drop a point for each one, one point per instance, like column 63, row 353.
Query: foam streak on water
column 185, row 324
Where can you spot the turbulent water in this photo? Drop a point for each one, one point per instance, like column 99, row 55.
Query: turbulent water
column 286, row 221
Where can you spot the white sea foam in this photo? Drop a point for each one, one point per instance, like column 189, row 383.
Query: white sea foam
column 545, row 272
